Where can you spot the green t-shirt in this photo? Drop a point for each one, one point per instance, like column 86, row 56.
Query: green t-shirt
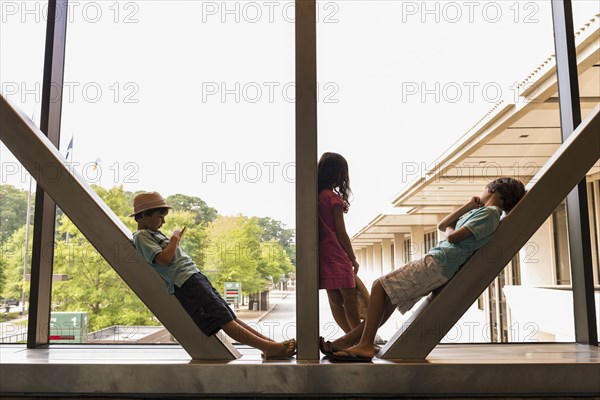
column 481, row 222
column 150, row 243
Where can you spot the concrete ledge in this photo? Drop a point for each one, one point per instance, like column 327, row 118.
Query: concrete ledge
column 452, row 370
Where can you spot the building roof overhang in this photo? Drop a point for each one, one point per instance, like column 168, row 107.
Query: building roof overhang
column 513, row 139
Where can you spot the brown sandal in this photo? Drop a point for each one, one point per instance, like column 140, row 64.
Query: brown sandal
column 326, row 347
column 287, row 351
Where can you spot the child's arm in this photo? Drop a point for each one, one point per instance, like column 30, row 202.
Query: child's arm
column 165, row 257
column 342, row 235
column 449, row 222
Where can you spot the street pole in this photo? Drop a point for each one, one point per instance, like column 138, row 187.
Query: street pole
column 26, row 255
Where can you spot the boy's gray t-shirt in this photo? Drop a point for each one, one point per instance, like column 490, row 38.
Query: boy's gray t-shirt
column 481, row 222
column 150, row 243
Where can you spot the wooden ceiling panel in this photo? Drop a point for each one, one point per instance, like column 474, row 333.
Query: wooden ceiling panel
column 528, row 136
column 589, row 82
column 516, row 150
column 543, row 116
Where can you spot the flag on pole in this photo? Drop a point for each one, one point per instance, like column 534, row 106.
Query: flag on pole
column 69, row 149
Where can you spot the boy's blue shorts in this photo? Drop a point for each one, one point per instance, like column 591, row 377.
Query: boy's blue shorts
column 204, row 304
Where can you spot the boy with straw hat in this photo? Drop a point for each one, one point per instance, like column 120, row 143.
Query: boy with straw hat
column 183, row 279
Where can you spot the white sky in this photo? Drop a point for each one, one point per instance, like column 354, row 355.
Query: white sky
column 173, row 60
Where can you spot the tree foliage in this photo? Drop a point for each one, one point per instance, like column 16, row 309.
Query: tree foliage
column 93, row 285
column 13, row 210
column 276, row 230
column 12, row 253
column 203, row 214
column 243, row 249
column 233, row 253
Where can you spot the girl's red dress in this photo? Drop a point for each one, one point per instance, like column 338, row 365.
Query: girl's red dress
column 335, row 267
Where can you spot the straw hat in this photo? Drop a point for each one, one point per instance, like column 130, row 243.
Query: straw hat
column 363, row 297
column 147, row 201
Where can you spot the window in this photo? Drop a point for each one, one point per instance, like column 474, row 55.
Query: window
column 430, row 240
column 594, row 215
column 407, row 250
column 219, row 96
column 499, row 311
column 22, row 38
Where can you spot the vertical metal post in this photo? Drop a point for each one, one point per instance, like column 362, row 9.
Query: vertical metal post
column 26, row 252
column 42, row 254
column 577, row 206
column 307, row 304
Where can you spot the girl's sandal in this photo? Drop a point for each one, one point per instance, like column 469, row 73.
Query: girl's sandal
column 326, row 347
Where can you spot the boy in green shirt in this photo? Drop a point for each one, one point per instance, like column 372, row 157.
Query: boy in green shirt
column 467, row 229
column 183, row 279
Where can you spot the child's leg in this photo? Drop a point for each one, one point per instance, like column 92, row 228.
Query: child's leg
column 350, row 296
column 349, row 339
column 268, row 347
column 354, row 336
column 336, row 303
column 249, row 328
column 380, row 308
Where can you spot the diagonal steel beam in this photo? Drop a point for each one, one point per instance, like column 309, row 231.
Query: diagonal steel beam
column 438, row 314
column 104, row 230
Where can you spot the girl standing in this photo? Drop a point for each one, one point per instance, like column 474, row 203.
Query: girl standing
column 337, row 262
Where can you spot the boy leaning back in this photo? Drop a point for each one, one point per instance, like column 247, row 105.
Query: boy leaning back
column 183, row 279
column 467, row 229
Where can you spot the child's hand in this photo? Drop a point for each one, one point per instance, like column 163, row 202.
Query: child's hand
column 178, row 233
column 475, row 202
column 355, row 266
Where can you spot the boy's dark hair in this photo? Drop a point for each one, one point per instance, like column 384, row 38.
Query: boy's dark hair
column 149, row 212
column 333, row 173
column 511, row 191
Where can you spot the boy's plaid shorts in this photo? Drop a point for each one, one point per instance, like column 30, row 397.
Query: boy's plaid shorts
column 407, row 285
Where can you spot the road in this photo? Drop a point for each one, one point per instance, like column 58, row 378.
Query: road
column 280, row 323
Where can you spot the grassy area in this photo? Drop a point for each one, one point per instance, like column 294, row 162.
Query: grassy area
column 9, row 316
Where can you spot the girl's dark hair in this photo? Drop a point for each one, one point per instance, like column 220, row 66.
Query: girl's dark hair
column 511, row 191
column 148, row 213
column 333, row 174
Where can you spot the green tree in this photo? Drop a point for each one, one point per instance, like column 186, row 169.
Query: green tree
column 13, row 210
column 194, row 237
column 203, row 214
column 274, row 261
column 276, row 230
column 233, row 253
column 237, row 251
column 116, row 199
column 2, row 273
column 93, row 286
column 12, row 253
column 235, row 248
column 273, row 229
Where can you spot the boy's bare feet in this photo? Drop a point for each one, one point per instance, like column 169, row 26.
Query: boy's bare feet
column 340, row 343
